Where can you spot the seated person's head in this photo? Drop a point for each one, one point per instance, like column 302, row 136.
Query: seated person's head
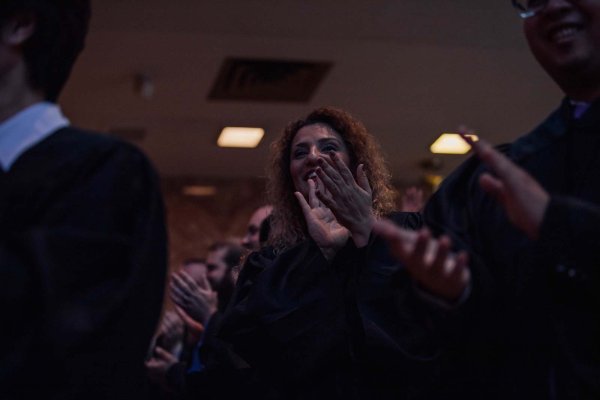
column 251, row 240
column 222, row 257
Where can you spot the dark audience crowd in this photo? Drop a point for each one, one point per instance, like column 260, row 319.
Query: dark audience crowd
column 488, row 290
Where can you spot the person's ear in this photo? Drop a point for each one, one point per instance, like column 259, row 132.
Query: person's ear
column 18, row 29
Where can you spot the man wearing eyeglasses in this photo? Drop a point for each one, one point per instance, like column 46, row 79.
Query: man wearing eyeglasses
column 520, row 295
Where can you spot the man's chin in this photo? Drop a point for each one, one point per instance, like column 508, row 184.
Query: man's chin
column 570, row 68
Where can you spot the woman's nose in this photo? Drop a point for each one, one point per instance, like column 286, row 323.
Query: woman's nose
column 313, row 154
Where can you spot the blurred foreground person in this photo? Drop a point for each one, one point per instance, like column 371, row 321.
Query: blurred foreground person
column 523, row 321
column 82, row 235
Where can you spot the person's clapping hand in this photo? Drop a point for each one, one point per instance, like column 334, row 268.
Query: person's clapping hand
column 158, row 366
column 322, row 225
column 170, row 330
column 350, row 199
column 198, row 300
column 195, row 329
column 428, row 260
column 523, row 198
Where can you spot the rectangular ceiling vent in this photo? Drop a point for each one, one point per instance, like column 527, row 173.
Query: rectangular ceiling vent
column 244, row 79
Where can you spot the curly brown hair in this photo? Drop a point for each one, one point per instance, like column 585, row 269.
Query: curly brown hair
column 288, row 226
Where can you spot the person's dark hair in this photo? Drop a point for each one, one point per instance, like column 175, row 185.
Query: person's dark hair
column 59, row 37
column 232, row 258
column 265, row 231
column 232, row 255
column 287, row 221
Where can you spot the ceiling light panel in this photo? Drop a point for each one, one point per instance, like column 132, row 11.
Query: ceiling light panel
column 451, row 143
column 199, row 190
column 240, row 137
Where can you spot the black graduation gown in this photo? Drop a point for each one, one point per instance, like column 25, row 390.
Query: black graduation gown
column 530, row 328
column 82, row 265
column 300, row 327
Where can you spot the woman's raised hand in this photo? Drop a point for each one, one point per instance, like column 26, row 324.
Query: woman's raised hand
column 322, row 225
column 350, row 199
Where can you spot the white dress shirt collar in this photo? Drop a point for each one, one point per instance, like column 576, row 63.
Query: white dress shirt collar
column 27, row 128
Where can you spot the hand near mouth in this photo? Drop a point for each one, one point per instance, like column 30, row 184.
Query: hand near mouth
column 350, row 199
column 322, row 225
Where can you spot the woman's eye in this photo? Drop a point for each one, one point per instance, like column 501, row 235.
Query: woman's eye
column 329, row 148
column 299, row 153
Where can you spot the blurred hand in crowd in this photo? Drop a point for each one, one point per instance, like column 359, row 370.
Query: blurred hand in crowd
column 523, row 198
column 196, row 299
column 428, row 260
column 170, row 331
column 158, row 365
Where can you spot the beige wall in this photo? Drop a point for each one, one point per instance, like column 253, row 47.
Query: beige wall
column 196, row 222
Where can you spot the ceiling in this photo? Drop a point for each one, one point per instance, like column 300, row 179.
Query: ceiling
column 409, row 69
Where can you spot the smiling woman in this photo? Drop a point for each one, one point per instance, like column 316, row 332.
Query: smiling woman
column 294, row 157
column 323, row 312
column 312, row 143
